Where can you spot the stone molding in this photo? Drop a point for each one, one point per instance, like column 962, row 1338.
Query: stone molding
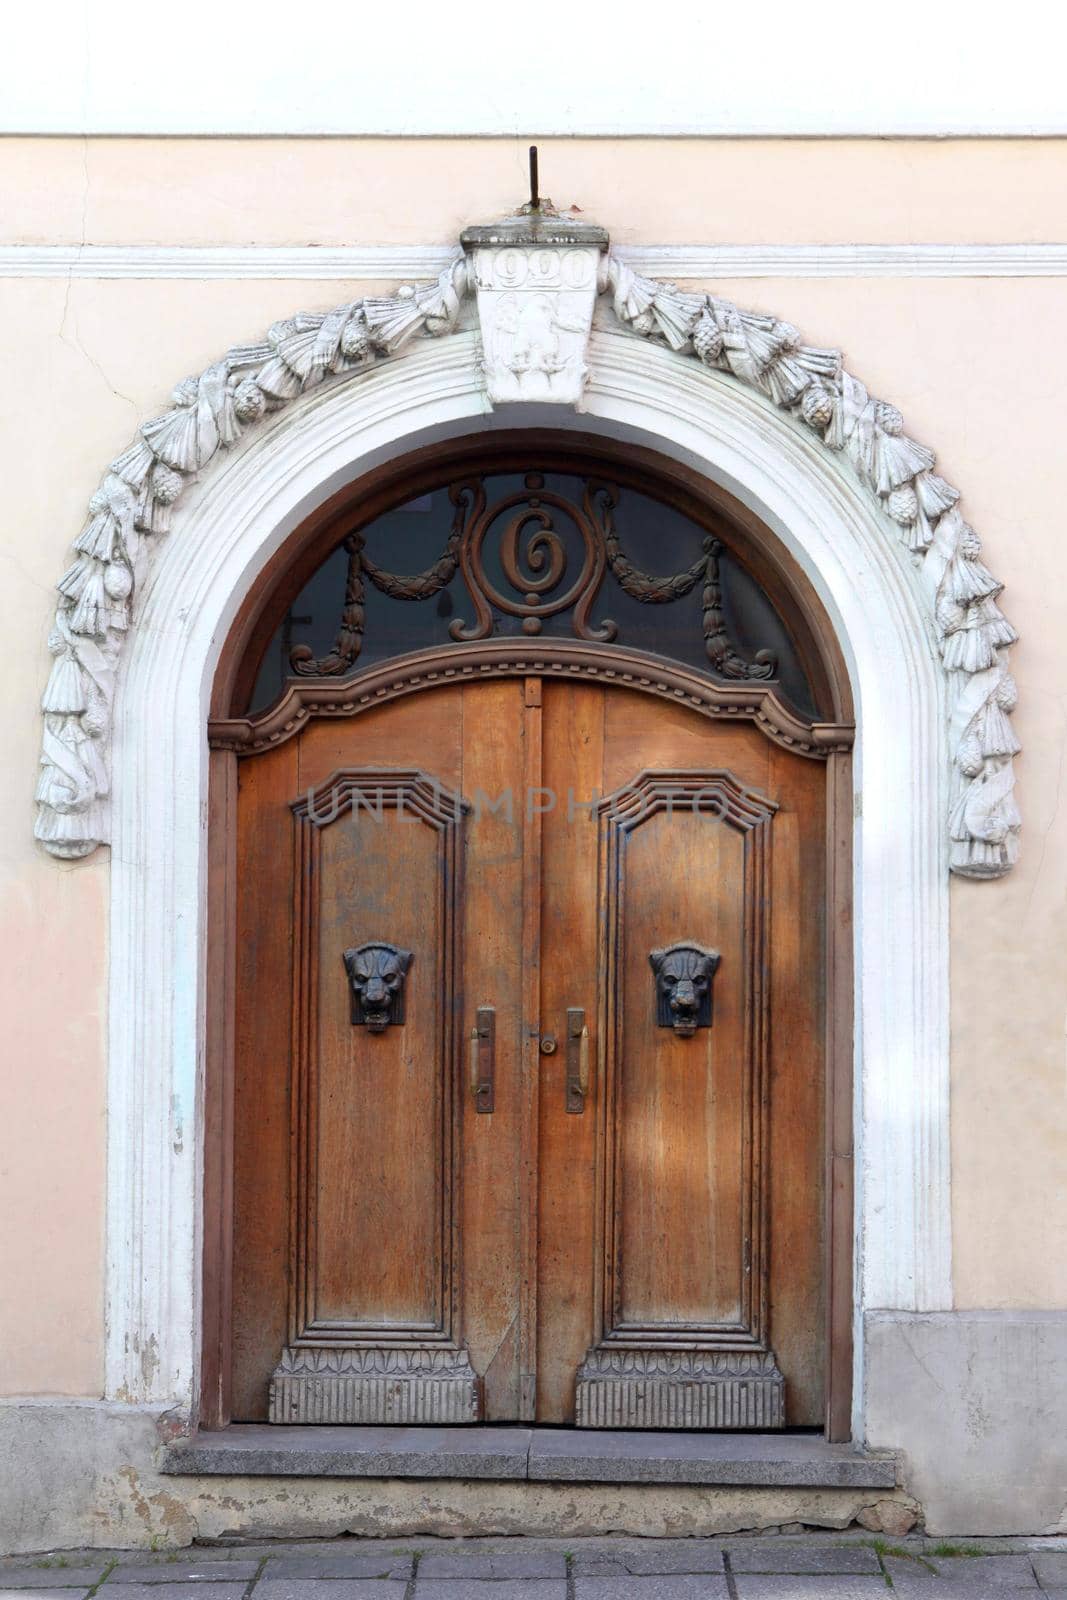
column 383, row 263
column 213, row 410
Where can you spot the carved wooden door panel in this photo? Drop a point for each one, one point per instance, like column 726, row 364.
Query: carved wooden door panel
column 529, row 1084
column 683, row 1286
column 378, row 1227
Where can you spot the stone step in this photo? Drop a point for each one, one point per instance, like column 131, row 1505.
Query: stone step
column 552, row 1455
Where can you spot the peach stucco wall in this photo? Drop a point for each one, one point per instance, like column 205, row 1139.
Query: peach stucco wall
column 977, row 365
column 671, row 191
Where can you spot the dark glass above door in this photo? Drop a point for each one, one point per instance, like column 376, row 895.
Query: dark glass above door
column 532, row 554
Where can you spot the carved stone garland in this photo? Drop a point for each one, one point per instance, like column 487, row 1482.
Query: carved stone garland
column 212, row 411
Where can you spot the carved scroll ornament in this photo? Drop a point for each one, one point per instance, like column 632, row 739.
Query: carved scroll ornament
column 537, row 569
column 212, row 411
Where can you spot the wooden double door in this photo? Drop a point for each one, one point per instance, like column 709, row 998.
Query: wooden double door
column 529, row 1091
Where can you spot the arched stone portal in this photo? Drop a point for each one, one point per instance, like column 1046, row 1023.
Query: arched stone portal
column 825, row 467
column 233, row 525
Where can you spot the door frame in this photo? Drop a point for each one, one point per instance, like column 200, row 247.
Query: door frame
column 227, row 528
column 829, row 738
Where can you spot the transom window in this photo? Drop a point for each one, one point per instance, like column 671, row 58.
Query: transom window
column 536, row 553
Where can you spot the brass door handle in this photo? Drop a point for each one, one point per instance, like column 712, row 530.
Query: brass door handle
column 482, row 1050
column 577, row 1061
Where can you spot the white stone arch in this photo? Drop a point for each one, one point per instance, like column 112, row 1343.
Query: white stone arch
column 230, row 525
column 214, row 411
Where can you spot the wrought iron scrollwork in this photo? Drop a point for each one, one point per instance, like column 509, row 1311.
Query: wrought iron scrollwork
column 657, row 591
column 418, row 586
column 421, row 585
column 536, row 571
column 349, row 641
column 721, row 653
column 535, row 560
column 641, row 585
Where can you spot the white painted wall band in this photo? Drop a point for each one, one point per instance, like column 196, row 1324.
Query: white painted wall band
column 390, row 262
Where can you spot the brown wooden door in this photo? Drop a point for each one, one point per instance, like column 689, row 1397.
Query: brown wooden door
column 435, row 1226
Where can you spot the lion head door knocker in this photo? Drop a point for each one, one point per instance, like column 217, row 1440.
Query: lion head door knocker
column 376, row 974
column 684, row 974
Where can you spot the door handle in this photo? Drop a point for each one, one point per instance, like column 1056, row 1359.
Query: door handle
column 482, row 1051
column 577, row 1061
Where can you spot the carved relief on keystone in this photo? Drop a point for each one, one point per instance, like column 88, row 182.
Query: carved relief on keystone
column 536, row 278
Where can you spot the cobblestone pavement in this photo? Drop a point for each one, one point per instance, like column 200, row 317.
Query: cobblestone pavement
column 813, row 1568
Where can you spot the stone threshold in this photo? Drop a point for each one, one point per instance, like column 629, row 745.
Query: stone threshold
column 546, row 1455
